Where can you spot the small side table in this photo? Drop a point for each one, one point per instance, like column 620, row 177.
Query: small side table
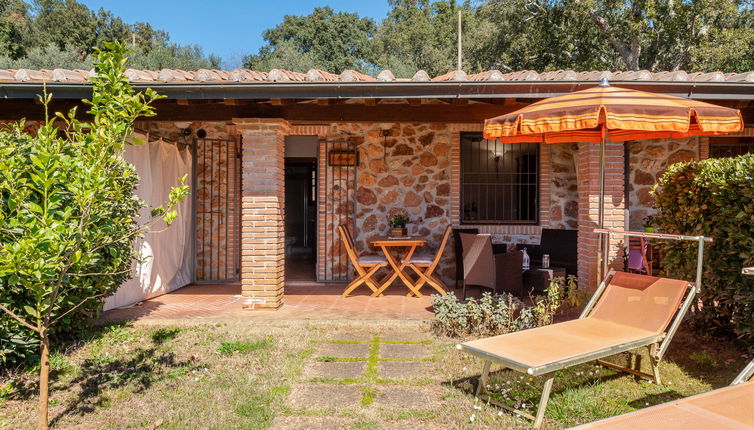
column 537, row 279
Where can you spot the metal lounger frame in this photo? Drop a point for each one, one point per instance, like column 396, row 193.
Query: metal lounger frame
column 657, row 344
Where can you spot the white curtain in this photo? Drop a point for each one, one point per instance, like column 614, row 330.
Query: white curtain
column 168, row 262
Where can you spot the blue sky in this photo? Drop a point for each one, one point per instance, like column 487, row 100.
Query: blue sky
column 228, row 28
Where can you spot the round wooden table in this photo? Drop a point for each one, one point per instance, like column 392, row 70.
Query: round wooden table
column 409, row 244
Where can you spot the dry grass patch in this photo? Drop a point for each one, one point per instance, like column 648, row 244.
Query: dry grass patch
column 241, row 376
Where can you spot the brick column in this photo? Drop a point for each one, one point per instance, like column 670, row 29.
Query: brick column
column 262, row 211
column 588, row 172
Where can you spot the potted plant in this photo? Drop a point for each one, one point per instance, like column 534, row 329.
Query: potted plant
column 398, row 225
column 649, row 224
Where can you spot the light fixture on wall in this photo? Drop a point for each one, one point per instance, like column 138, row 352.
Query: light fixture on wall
column 385, row 133
column 497, row 155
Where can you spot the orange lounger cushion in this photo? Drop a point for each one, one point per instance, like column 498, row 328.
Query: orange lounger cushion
column 543, row 346
column 726, row 408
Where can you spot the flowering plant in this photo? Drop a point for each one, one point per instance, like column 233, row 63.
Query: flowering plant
column 399, row 220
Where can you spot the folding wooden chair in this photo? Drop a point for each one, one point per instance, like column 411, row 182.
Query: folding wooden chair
column 366, row 266
column 637, row 255
column 424, row 264
column 724, row 408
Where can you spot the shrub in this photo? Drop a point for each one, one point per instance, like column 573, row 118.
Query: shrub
column 18, row 345
column 494, row 314
column 713, row 198
column 68, row 210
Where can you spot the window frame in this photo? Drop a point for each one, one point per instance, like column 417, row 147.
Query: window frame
column 730, row 141
column 537, row 184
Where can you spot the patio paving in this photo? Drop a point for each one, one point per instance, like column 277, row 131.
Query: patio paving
column 324, row 396
column 343, row 350
column 401, row 370
column 311, row 422
column 312, row 301
column 394, row 350
column 332, row 380
column 334, row 370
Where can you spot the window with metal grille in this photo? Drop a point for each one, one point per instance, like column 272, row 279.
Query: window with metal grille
column 499, row 181
column 722, row 147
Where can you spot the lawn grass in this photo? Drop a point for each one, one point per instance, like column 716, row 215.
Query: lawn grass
column 239, row 376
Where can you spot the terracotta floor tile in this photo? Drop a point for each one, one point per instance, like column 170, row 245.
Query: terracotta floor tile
column 302, row 301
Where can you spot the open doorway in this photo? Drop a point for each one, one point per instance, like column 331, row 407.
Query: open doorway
column 300, row 208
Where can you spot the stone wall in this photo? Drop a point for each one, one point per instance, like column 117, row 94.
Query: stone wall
column 564, row 189
column 409, row 170
column 648, row 161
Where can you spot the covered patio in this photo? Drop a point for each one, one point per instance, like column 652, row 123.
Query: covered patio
column 279, row 159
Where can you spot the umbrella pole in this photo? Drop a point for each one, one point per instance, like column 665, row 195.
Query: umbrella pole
column 602, row 252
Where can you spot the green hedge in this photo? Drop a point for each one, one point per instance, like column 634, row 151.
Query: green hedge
column 714, row 198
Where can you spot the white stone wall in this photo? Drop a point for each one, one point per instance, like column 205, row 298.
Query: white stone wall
column 648, row 161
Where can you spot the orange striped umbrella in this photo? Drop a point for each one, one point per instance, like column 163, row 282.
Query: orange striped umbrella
column 625, row 114
column 603, row 113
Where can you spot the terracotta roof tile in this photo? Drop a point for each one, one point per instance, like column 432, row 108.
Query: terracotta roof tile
column 316, row 75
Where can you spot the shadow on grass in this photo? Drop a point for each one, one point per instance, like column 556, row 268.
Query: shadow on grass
column 24, row 379
column 715, row 361
column 564, row 381
column 141, row 369
column 138, row 369
column 655, row 399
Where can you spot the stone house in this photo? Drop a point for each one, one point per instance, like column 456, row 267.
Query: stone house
column 281, row 158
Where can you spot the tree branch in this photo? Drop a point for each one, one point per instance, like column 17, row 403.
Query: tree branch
column 75, row 307
column 19, row 319
column 629, row 55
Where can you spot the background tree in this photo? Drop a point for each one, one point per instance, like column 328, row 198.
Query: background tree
column 14, row 28
column 324, row 39
column 655, row 35
column 422, row 35
column 65, row 33
column 69, row 210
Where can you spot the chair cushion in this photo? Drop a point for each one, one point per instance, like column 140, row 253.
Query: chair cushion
column 371, row 260
column 423, row 258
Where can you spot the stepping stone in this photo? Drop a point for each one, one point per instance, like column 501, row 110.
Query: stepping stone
column 324, row 396
column 343, row 350
column 351, row 337
column 401, row 369
column 405, row 336
column 412, row 398
column 335, row 369
column 307, row 423
column 416, row 425
column 396, row 350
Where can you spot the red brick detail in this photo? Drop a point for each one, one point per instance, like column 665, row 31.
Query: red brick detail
column 262, row 211
column 545, row 180
column 588, row 171
column 455, row 177
column 308, row 130
column 321, row 211
column 703, row 148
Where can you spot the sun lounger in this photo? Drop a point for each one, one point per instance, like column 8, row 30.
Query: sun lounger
column 627, row 312
column 724, row 408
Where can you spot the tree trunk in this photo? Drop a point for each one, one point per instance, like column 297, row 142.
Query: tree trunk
column 44, row 380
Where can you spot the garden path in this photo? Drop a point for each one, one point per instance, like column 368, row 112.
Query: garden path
column 387, row 374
